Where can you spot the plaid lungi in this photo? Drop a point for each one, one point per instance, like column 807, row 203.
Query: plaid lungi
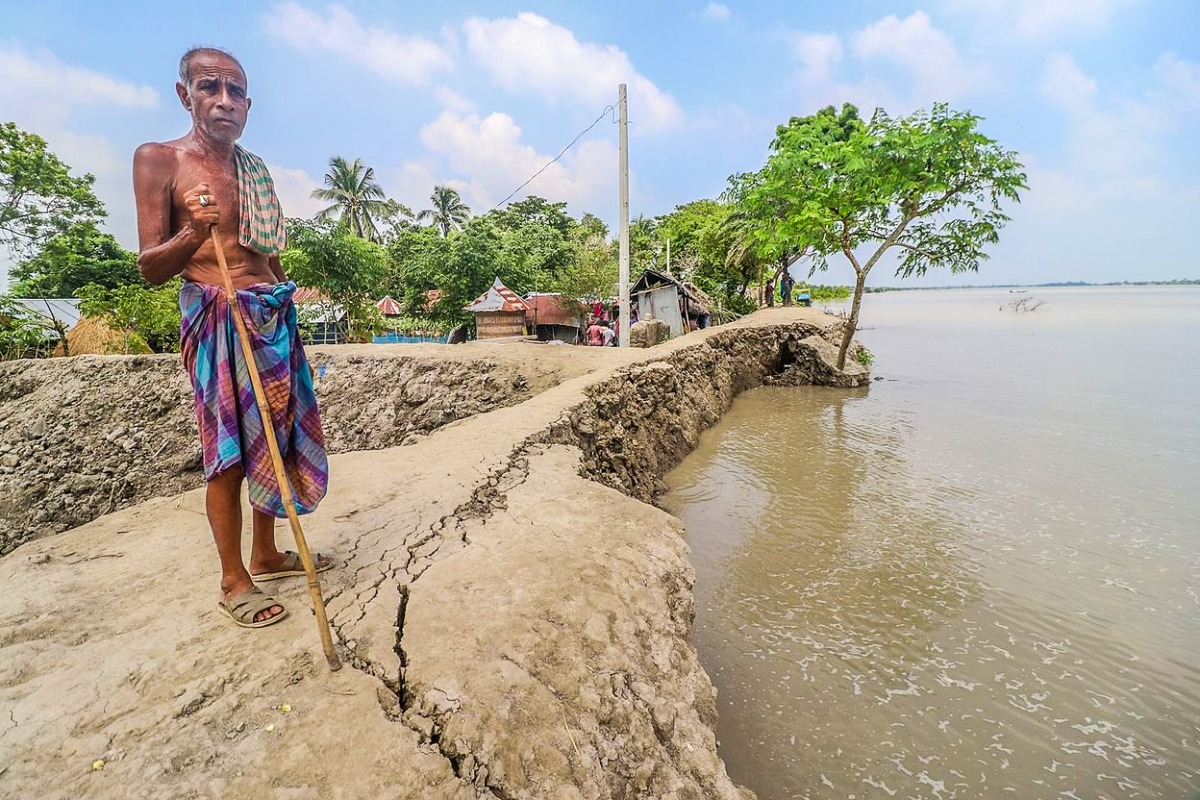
column 231, row 427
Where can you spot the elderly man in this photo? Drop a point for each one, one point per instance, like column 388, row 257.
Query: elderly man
column 184, row 189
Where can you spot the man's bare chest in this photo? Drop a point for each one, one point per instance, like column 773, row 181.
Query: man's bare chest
column 221, row 180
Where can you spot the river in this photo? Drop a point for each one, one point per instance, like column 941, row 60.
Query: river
column 978, row 578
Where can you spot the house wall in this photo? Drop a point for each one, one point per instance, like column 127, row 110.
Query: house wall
column 662, row 303
column 499, row 324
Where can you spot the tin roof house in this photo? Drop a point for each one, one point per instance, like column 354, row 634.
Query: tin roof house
column 660, row 296
column 499, row 313
column 554, row 317
column 321, row 321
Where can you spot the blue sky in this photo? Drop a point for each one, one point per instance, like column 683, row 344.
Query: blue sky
column 1100, row 97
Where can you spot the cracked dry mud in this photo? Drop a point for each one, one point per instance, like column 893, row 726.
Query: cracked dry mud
column 514, row 620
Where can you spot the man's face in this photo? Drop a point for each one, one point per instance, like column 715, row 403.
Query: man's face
column 216, row 96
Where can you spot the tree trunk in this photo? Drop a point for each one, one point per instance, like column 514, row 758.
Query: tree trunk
column 860, row 283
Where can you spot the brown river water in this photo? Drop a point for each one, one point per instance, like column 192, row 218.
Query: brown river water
column 978, row 578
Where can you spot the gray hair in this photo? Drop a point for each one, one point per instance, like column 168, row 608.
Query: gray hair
column 185, row 63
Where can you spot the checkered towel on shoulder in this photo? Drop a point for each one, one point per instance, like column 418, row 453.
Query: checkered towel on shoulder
column 231, row 428
column 260, row 216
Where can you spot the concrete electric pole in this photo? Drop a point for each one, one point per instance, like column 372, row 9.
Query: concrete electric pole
column 623, row 139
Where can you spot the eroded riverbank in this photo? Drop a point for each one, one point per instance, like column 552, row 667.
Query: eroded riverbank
column 518, row 626
column 978, row 579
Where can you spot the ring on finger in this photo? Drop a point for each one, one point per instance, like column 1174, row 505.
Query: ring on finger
column 203, row 200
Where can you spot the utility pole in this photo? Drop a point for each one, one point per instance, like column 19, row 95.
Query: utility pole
column 623, row 140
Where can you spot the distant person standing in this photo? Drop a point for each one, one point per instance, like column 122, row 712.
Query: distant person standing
column 608, row 334
column 786, row 282
column 595, row 334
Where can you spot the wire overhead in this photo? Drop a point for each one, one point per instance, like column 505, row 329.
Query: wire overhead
column 563, row 152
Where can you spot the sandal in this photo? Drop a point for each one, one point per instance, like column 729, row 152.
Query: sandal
column 292, row 567
column 243, row 608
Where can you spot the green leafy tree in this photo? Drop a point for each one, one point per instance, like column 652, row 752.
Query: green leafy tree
column 415, row 257
column 712, row 246
column 537, row 237
column 702, row 235
column 143, row 313
column 744, row 262
column 395, row 218
column 24, row 334
column 73, row 259
column 534, row 210
column 929, row 185
column 593, row 272
column 590, row 227
column 434, row 277
column 645, row 248
column 355, row 199
column 39, row 198
column 346, row 268
column 448, row 273
column 449, row 212
column 534, row 254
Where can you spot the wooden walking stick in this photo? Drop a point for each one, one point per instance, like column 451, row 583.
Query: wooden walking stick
column 285, row 488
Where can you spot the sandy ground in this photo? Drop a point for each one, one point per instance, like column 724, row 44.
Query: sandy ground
column 513, row 677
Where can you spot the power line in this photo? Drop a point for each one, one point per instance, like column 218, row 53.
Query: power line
column 578, row 136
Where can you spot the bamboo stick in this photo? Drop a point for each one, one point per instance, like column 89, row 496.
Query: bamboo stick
column 285, row 488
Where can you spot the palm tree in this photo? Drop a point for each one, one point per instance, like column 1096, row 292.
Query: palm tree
column 448, row 212
column 742, row 257
column 356, row 199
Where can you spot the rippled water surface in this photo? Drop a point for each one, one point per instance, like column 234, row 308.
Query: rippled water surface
column 980, row 577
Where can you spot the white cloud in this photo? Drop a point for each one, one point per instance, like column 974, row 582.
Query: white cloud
column 452, row 100
column 1181, row 79
column 1064, row 83
column 928, row 54
column 407, row 59
column 42, row 94
column 28, row 78
column 529, row 53
column 1111, row 139
column 1041, row 20
column 906, row 64
column 1044, row 19
column 820, row 53
column 294, row 187
column 717, row 12
column 485, row 159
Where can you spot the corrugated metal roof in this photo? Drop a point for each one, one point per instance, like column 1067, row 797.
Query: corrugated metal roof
column 653, row 279
column 304, row 294
column 319, row 311
column 553, row 309
column 389, row 307
column 498, row 298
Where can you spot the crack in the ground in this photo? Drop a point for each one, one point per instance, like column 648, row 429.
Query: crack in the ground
column 487, row 498
column 586, row 425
